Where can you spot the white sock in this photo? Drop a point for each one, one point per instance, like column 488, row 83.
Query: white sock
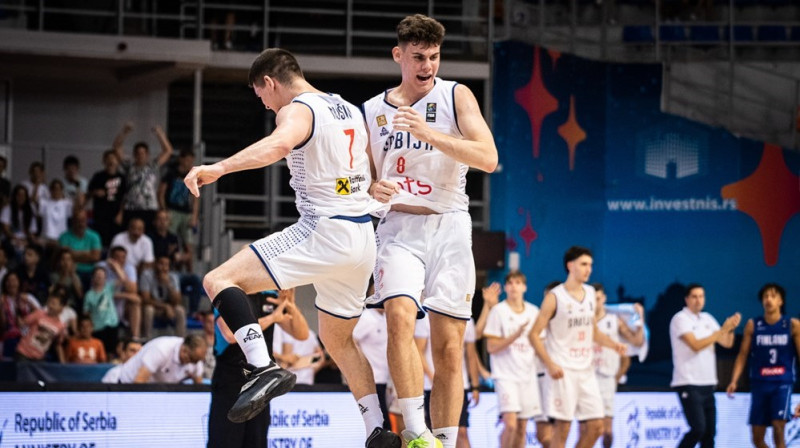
column 251, row 340
column 447, row 436
column 413, row 410
column 370, row 409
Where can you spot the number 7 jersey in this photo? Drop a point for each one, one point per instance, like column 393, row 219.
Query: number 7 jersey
column 432, row 178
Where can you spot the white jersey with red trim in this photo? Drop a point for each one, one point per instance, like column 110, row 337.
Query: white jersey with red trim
column 330, row 171
column 570, row 330
column 427, row 176
column 606, row 360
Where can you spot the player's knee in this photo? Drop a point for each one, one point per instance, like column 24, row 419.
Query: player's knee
column 544, row 439
column 510, row 424
column 211, row 283
column 594, row 428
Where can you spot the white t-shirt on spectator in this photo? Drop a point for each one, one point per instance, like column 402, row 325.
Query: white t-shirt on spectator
column 517, row 362
column 138, row 252
column 161, row 356
column 54, row 213
column 307, row 347
column 371, row 337
column 5, row 218
column 692, row 368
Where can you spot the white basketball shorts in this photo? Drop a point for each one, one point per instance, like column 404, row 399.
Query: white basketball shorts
column 520, row 397
column 608, row 388
column 574, row 396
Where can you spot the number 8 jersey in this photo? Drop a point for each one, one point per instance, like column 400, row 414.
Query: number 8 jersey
column 772, row 351
column 433, row 179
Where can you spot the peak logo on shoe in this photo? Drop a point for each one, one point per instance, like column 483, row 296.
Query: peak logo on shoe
column 252, row 335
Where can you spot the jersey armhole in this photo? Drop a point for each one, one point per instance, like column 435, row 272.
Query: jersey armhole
column 455, row 108
column 313, row 123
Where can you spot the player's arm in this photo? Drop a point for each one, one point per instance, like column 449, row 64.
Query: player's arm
column 119, row 140
column 473, row 371
column 796, row 339
column 143, row 375
column 727, row 337
column 546, row 312
column 722, row 336
column 605, row 340
column 634, row 337
column 166, row 145
column 294, row 124
column 491, row 295
column 294, row 323
column 381, row 190
column 624, row 365
column 495, row 344
column 741, row 358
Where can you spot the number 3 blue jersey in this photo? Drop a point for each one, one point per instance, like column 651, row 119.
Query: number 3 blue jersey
column 772, row 351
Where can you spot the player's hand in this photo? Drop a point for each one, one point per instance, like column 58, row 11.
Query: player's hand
column 383, row 190
column 732, row 322
column 555, row 371
column 621, row 349
column 202, row 175
column 127, row 127
column 158, row 130
column 408, row 119
column 731, row 389
column 475, row 397
column 521, row 329
column 491, row 294
column 639, row 309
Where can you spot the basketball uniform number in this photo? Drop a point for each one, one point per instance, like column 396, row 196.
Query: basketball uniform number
column 773, row 355
column 352, row 134
column 401, row 165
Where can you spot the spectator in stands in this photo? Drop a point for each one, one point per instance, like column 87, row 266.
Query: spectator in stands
column 183, row 207
column 15, row 305
column 165, row 242
column 65, row 275
column 301, row 357
column 85, row 245
column 36, row 183
column 75, row 185
column 142, row 174
column 5, row 255
column 161, row 298
column 55, row 212
column 5, row 184
column 209, row 331
column 44, row 331
column 33, row 277
column 139, row 246
column 126, row 348
column 167, row 359
column 99, row 304
column 107, row 190
column 18, row 220
column 123, row 277
column 83, row 348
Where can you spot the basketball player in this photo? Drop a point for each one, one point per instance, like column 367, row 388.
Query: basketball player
column 332, row 246
column 567, row 313
column 513, row 360
column 772, row 342
column 608, row 365
column 424, row 136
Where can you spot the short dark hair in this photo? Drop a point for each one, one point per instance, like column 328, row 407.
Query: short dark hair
column 186, row 152
column 276, row 63
column 549, row 287
column 71, row 160
column 36, row 164
column 598, row 287
column 692, row 286
column 778, row 290
column 141, row 145
column 516, row 274
column 193, row 341
column 420, row 30
column 117, row 248
column 59, row 292
column 573, row 253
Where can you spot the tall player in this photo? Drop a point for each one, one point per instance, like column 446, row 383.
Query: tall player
column 568, row 314
column 772, row 342
column 332, row 246
column 424, row 136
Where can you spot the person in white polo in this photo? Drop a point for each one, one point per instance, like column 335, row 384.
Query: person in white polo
column 168, row 359
column 693, row 334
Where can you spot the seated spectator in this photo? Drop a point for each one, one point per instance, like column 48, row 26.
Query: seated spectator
column 68, row 316
column 106, row 190
column 167, row 359
column 126, row 298
column 55, row 212
column 5, row 184
column 165, row 243
column 15, row 306
column 182, row 206
column 209, row 332
column 161, row 298
column 138, row 245
column 85, row 245
column 75, row 185
column 6, row 253
column 99, row 304
column 126, row 348
column 65, row 274
column 83, row 348
column 44, row 331
column 303, row 358
column 18, row 221
column 33, row 277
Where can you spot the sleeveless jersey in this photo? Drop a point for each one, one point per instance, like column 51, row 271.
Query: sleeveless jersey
column 772, row 351
column 607, row 361
column 330, row 172
column 427, row 176
column 569, row 332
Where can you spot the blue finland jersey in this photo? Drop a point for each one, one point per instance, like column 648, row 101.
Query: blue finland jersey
column 772, row 351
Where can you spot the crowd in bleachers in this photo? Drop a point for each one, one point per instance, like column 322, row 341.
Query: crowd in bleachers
column 88, row 263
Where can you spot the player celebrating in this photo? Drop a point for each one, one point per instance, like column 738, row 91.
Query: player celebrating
column 772, row 342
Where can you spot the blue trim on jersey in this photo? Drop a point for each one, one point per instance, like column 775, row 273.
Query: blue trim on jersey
column 431, row 310
column 274, row 280
column 336, row 315
column 357, row 219
column 455, row 109
column 313, row 123
column 420, row 311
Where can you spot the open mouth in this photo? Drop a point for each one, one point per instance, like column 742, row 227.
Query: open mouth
column 424, row 78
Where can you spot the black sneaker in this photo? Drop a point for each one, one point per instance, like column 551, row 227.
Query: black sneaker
column 263, row 384
column 383, row 438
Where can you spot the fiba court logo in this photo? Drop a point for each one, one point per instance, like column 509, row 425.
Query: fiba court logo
column 671, row 156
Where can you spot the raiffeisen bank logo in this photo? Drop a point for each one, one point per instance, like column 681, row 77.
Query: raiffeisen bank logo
column 670, row 156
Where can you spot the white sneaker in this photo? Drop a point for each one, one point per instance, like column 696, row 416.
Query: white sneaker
column 424, row 440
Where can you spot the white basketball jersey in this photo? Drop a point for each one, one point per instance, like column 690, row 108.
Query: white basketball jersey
column 570, row 330
column 606, row 361
column 427, row 176
column 330, row 172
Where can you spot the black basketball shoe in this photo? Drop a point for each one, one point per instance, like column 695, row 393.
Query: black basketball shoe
column 263, row 384
column 383, row 438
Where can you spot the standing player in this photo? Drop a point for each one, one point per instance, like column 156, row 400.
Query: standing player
column 332, row 245
column 568, row 315
column 772, row 342
column 514, row 360
column 608, row 364
column 424, row 136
